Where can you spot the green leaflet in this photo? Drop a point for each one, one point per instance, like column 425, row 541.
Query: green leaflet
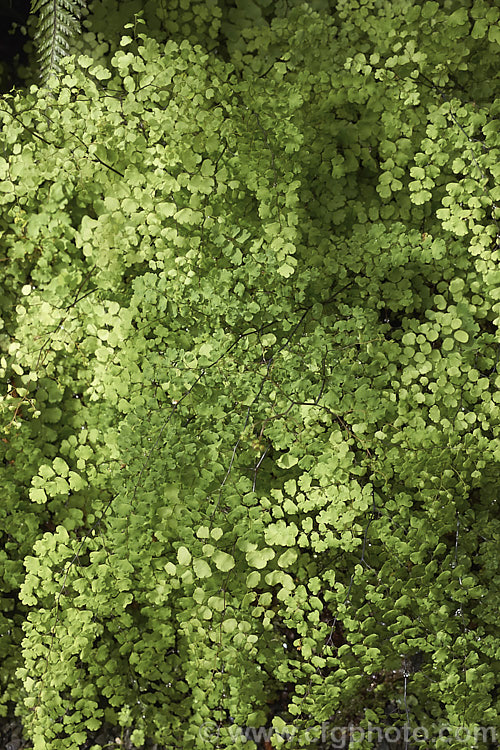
column 223, row 561
column 184, row 556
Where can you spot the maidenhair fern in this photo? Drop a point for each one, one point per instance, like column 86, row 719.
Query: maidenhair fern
column 250, row 384
column 58, row 22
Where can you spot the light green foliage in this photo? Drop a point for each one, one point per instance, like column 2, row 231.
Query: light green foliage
column 250, row 346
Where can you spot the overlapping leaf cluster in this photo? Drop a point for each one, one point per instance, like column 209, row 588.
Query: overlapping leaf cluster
column 252, row 410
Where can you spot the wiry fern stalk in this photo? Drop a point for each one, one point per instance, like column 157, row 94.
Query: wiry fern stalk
column 58, row 23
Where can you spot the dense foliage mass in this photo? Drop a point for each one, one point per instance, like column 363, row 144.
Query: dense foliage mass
column 249, row 347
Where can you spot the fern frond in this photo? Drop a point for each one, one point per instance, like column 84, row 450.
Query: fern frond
column 58, row 23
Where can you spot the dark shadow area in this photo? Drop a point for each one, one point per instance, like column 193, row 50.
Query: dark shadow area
column 13, row 15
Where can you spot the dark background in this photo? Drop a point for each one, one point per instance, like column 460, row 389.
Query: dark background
column 12, row 12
